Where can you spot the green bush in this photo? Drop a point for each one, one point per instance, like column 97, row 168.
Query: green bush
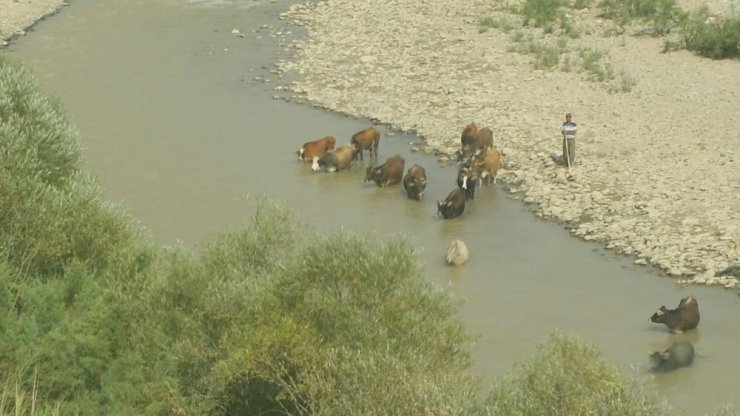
column 569, row 377
column 346, row 317
column 53, row 213
column 716, row 38
column 542, row 13
column 662, row 15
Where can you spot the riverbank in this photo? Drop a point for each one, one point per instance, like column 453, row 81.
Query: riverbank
column 17, row 16
column 658, row 166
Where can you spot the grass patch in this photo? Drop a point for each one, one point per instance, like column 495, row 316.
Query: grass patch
column 490, row 22
column 712, row 37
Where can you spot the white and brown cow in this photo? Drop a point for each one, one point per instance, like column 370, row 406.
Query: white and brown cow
column 368, row 139
column 415, row 182
column 453, row 205
column 338, row 159
column 684, row 317
column 487, row 167
column 313, row 150
column 389, row 173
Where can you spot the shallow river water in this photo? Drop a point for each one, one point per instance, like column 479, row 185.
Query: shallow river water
column 182, row 129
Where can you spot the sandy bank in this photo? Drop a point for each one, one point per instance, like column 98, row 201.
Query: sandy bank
column 16, row 16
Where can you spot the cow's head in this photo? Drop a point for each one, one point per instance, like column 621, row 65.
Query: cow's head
column 372, row 173
column 660, row 315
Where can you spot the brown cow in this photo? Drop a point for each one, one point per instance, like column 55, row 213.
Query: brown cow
column 479, row 145
column 366, row 139
column 468, row 135
column 313, row 150
column 415, row 182
column 389, row 173
column 486, row 167
column 684, row 317
column 338, row 159
column 453, row 205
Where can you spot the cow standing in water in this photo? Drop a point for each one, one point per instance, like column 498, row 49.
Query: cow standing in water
column 453, row 205
column 467, row 181
column 313, row 150
column 488, row 166
column 338, row 159
column 368, row 139
column 684, row 317
column 389, row 173
column 415, row 182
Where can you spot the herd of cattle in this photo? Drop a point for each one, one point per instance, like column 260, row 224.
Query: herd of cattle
column 479, row 163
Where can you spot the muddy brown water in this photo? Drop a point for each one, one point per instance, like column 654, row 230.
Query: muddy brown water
column 182, row 129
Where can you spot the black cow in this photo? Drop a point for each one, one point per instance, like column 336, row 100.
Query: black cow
column 453, row 205
column 684, row 317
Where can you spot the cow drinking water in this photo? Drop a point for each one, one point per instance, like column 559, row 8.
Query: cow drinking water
column 313, row 150
column 338, row 159
column 389, row 173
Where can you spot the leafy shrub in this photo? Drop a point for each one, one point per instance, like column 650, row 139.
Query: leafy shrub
column 346, row 318
column 569, row 377
column 716, row 38
column 663, row 15
column 53, row 213
column 541, row 13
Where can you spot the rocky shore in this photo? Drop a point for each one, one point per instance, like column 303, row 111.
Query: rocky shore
column 16, row 16
column 657, row 175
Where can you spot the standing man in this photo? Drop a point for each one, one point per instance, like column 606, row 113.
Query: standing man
column 568, row 130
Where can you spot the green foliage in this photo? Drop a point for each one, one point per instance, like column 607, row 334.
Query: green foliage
column 36, row 139
column 505, row 25
column 662, row 15
column 569, row 377
column 347, row 313
column 542, row 13
column 53, row 213
column 595, row 66
column 716, row 38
